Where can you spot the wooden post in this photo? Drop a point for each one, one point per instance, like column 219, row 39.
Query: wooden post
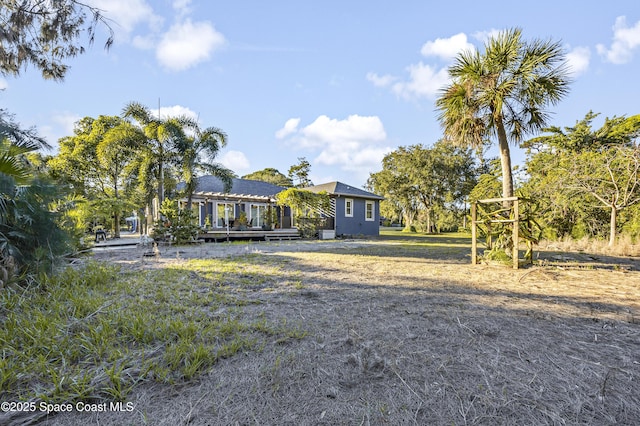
column 516, row 231
column 474, row 243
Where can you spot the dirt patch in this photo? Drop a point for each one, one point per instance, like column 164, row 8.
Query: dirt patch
column 402, row 334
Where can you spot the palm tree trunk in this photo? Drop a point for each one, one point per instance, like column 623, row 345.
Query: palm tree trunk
column 505, row 161
column 116, row 216
column 160, row 182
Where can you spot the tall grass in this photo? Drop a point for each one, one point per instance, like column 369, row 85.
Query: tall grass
column 96, row 332
column 624, row 246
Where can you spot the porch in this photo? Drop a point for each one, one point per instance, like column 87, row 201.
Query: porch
column 218, row 235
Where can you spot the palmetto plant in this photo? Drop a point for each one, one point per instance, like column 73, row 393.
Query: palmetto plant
column 29, row 235
column 503, row 93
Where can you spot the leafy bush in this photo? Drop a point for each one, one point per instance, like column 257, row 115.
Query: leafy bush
column 180, row 225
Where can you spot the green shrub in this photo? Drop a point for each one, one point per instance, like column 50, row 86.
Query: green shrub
column 178, row 224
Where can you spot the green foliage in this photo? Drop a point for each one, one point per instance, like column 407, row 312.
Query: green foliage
column 158, row 149
column 97, row 165
column 178, row 224
column 45, row 35
column 504, row 92
column 299, row 173
column 488, row 185
column 93, row 333
column 493, row 225
column 586, row 178
column 308, row 208
column 270, row 175
column 31, row 236
column 197, row 154
column 423, row 184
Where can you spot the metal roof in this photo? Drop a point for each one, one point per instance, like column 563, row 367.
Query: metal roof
column 342, row 189
column 244, row 188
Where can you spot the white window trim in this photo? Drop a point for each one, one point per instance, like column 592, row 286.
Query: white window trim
column 373, row 211
column 348, row 201
column 230, row 212
column 250, row 216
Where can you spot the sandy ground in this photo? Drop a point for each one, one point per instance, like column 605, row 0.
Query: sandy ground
column 413, row 337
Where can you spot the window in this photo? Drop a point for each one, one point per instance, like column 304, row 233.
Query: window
column 369, row 214
column 258, row 215
column 225, row 212
column 348, row 207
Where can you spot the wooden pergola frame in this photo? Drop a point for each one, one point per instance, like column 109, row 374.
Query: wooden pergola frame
column 515, row 207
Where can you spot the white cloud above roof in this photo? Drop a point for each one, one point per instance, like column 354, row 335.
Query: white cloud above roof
column 625, row 40
column 290, row 127
column 188, row 43
column 236, row 161
column 356, row 144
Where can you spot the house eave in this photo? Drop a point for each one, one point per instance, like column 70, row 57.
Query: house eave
column 235, row 197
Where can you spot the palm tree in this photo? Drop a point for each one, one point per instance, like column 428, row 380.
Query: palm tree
column 197, row 154
column 503, row 93
column 163, row 136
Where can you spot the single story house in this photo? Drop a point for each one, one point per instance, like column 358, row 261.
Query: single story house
column 256, row 199
column 355, row 211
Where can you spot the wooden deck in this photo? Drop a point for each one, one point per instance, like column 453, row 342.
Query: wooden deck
column 250, row 234
column 131, row 239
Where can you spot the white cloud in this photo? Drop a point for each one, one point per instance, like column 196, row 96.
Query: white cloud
column 356, row 143
column 578, row 60
column 484, row 36
column 175, row 111
column 4, row 84
column 236, row 161
column 187, row 44
column 290, row 127
column 147, row 42
column 381, row 81
column 352, row 131
column 625, row 40
column 182, row 46
column 66, row 121
column 125, row 15
column 424, row 82
column 58, row 125
column 447, row 48
column 182, row 5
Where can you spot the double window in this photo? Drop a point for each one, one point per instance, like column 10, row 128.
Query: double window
column 225, row 212
column 258, row 215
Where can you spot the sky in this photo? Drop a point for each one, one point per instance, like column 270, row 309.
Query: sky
column 340, row 83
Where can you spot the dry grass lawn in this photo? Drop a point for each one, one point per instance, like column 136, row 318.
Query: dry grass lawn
column 403, row 330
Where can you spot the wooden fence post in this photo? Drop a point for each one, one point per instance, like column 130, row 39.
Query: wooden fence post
column 474, row 243
column 516, row 232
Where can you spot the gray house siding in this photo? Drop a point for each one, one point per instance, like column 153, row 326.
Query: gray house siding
column 357, row 221
column 357, row 224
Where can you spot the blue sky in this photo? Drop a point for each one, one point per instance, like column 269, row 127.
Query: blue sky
column 338, row 82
